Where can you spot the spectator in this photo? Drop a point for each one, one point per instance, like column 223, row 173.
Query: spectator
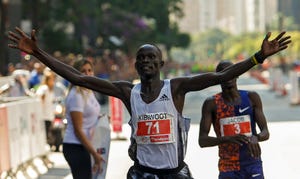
column 46, row 92
column 36, row 75
column 82, row 113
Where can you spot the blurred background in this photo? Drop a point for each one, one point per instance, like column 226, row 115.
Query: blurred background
column 193, row 36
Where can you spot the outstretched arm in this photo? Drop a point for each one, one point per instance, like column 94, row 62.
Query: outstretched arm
column 268, row 48
column 29, row 45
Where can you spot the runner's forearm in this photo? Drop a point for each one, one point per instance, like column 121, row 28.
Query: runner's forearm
column 208, row 141
column 237, row 69
column 57, row 66
column 263, row 135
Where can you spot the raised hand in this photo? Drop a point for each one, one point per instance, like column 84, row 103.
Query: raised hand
column 269, row 48
column 22, row 41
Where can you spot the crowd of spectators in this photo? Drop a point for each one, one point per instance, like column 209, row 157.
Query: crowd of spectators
column 111, row 65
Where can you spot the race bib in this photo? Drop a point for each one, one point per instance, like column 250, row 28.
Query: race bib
column 236, row 125
column 155, row 129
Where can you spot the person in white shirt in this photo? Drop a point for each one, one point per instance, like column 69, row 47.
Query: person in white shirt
column 82, row 113
column 46, row 93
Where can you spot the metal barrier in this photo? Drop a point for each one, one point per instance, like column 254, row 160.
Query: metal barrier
column 22, row 136
column 5, row 79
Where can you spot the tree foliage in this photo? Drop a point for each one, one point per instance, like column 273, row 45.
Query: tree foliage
column 215, row 45
column 105, row 24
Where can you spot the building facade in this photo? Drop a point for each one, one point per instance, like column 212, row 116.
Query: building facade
column 234, row 16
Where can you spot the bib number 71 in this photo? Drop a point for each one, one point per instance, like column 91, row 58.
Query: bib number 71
column 154, row 127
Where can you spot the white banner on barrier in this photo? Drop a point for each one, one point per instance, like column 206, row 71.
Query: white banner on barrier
column 14, row 135
column 37, row 132
column 4, row 142
column 22, row 132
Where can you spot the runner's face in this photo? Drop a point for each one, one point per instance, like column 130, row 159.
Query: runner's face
column 148, row 62
column 228, row 84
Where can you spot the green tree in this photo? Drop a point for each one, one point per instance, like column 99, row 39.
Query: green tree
column 120, row 24
column 211, row 44
column 122, row 29
column 53, row 18
column 204, row 47
column 155, row 14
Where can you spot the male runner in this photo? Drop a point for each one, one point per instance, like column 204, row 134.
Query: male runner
column 155, row 105
column 234, row 115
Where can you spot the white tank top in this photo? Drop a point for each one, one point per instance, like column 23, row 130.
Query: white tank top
column 155, row 128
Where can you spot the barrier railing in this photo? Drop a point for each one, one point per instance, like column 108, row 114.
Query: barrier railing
column 22, row 136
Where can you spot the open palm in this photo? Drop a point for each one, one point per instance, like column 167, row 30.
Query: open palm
column 22, row 41
column 269, row 48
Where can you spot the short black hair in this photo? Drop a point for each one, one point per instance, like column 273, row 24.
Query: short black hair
column 223, row 63
column 151, row 45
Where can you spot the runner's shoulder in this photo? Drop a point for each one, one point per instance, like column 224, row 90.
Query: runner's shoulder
column 209, row 101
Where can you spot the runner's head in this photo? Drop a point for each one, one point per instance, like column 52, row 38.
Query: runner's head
column 148, row 61
column 223, row 64
column 228, row 85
